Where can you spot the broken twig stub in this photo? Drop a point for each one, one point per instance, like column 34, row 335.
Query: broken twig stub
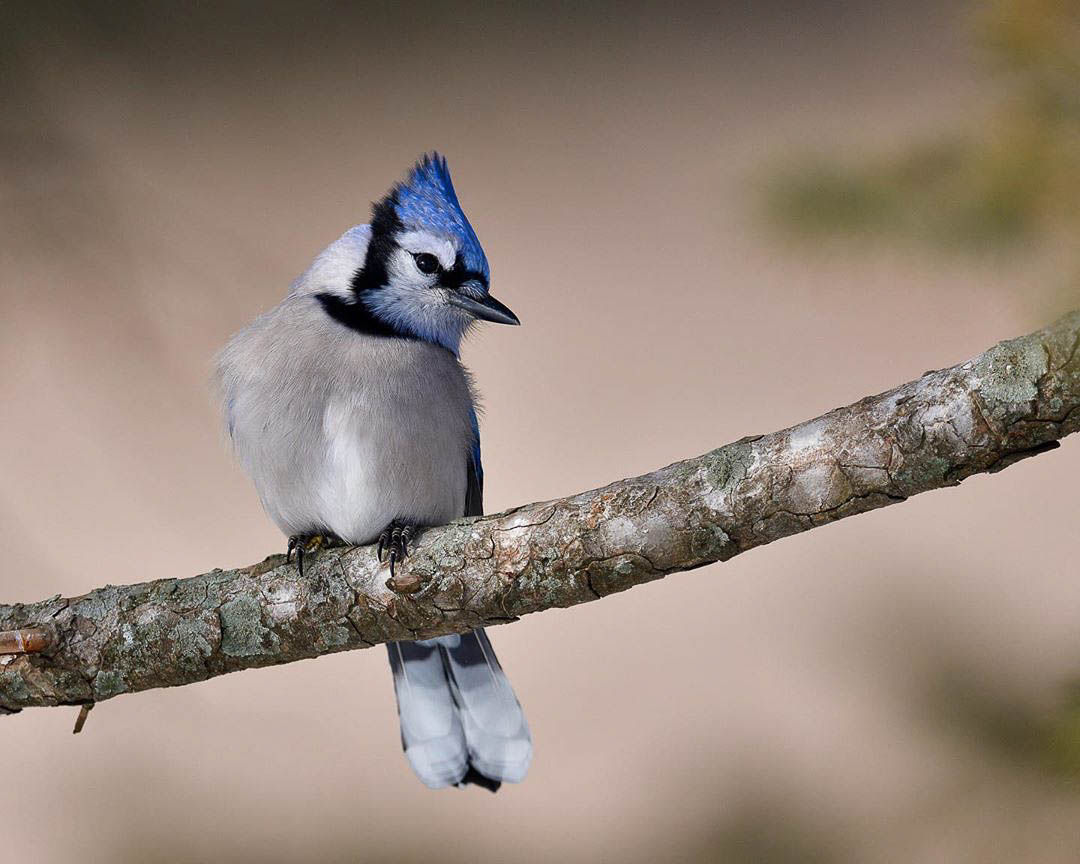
column 1012, row 402
column 30, row 640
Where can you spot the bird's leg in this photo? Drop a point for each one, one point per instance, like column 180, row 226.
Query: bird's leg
column 308, row 543
column 394, row 540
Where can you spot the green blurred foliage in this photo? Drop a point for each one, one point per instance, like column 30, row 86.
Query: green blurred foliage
column 1015, row 181
column 1037, row 740
column 1063, row 736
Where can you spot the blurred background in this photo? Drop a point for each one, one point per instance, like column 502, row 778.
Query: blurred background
column 714, row 221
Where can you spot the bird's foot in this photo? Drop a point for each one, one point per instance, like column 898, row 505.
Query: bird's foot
column 395, row 540
column 308, row 544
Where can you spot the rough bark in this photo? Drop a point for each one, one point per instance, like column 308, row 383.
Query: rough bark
column 1013, row 401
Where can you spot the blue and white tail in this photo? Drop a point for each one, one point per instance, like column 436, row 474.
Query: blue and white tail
column 460, row 720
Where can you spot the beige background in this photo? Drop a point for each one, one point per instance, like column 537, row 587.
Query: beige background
column 167, row 172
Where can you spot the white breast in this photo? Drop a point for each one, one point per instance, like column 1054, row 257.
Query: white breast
column 346, row 432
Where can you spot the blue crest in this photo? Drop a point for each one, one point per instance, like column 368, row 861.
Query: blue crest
column 426, row 200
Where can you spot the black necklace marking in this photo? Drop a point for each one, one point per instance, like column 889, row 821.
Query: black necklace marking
column 371, row 277
column 356, row 316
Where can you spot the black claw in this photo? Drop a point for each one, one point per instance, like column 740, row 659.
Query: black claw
column 304, row 543
column 394, row 540
column 296, row 544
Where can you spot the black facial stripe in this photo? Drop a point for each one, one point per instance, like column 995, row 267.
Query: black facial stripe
column 384, row 225
column 371, row 276
column 356, row 316
column 458, row 275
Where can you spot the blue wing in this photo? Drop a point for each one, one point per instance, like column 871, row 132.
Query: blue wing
column 474, row 491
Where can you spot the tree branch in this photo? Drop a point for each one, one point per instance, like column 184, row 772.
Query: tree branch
column 1013, row 401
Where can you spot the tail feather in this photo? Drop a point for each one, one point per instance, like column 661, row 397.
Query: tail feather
column 431, row 731
column 497, row 734
column 460, row 720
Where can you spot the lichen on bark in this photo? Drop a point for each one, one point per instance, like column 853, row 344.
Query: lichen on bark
column 1015, row 400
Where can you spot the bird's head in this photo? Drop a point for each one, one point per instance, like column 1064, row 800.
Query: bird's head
column 424, row 274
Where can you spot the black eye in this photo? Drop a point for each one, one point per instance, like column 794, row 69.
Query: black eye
column 426, row 263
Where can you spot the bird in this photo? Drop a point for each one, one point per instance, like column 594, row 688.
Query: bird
column 349, row 407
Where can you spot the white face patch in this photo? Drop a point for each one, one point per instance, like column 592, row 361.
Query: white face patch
column 332, row 271
column 415, row 242
column 415, row 301
column 402, row 274
column 411, row 300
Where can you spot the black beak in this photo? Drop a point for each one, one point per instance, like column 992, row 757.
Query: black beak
column 488, row 309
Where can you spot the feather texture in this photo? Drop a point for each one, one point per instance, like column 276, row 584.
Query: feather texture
column 347, row 405
column 427, row 200
column 346, row 432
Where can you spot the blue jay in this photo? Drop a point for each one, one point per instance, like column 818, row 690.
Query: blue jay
column 348, row 406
